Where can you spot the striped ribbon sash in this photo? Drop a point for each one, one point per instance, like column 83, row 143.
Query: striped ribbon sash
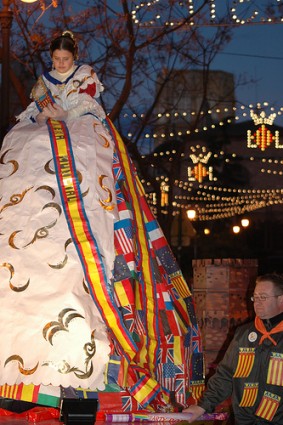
column 82, row 235
column 78, row 223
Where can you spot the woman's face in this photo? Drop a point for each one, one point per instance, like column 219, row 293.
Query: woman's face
column 63, row 60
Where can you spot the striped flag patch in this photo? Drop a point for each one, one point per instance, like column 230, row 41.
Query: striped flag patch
column 245, row 362
column 268, row 406
column 275, row 369
column 249, row 395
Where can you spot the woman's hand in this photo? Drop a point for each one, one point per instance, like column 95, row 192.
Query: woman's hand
column 54, row 112
column 41, row 118
column 195, row 411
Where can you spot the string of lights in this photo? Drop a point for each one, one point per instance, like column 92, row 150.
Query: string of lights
column 151, row 14
column 236, row 115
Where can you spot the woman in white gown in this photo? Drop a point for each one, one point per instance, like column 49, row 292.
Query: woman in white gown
column 91, row 296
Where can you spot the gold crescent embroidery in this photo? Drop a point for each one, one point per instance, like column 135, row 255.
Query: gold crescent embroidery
column 64, row 367
column 21, row 368
column 107, row 200
column 14, row 163
column 48, row 188
column 41, row 233
column 62, row 263
column 15, row 199
column 54, row 205
column 64, row 318
column 12, row 272
column 11, row 239
column 47, row 167
column 78, row 83
column 85, row 287
column 107, row 143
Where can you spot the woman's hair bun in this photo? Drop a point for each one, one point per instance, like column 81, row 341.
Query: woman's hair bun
column 68, row 33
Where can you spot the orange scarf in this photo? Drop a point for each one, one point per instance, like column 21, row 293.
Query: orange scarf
column 265, row 334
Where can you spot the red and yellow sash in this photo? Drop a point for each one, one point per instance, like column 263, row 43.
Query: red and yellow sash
column 83, row 237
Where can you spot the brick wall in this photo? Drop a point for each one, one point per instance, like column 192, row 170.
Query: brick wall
column 222, row 290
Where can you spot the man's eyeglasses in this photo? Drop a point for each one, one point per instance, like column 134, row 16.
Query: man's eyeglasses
column 263, row 297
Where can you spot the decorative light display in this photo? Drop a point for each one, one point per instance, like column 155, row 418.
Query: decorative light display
column 199, row 171
column 262, row 137
column 217, row 202
column 164, row 188
column 238, row 113
column 212, row 202
column 241, row 12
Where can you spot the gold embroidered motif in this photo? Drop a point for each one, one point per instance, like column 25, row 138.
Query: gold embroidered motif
column 62, row 263
column 85, row 287
column 15, row 199
column 64, row 318
column 64, row 367
column 48, row 189
column 105, row 140
column 14, row 163
column 107, row 200
column 12, row 272
column 41, row 233
column 47, row 167
column 21, row 368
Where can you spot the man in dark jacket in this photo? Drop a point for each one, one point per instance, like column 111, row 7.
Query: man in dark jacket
column 251, row 371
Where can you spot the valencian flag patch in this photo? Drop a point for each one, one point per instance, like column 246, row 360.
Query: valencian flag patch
column 249, row 395
column 275, row 369
column 268, row 406
column 245, row 362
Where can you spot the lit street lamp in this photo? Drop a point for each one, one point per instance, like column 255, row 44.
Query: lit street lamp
column 6, row 18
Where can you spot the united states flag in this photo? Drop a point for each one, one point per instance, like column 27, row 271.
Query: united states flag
column 166, row 373
column 124, row 238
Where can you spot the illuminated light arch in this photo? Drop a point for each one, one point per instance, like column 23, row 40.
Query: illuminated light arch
column 149, row 14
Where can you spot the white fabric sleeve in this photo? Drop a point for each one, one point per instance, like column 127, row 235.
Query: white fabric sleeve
column 29, row 113
column 85, row 107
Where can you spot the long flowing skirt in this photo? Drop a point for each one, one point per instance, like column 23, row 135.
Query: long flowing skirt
column 107, row 311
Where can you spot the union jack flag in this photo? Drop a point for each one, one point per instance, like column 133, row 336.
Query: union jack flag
column 166, row 353
column 119, row 198
column 129, row 317
column 196, row 339
column 117, row 169
column 129, row 404
column 180, row 384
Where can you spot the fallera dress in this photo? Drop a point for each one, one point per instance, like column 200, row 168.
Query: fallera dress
column 93, row 303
